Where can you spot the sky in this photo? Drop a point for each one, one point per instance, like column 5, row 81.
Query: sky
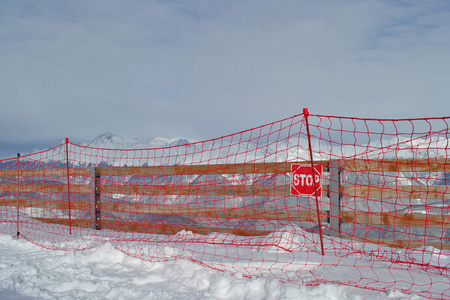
column 201, row 69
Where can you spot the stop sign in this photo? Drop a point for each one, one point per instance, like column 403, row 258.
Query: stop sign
column 302, row 180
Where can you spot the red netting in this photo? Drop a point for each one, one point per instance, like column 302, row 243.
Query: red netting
column 226, row 203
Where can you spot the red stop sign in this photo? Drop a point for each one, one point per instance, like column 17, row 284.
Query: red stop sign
column 302, row 180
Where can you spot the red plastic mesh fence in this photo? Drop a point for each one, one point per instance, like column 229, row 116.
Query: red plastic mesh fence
column 375, row 213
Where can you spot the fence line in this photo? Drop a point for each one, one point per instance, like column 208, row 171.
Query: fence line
column 221, row 189
column 384, row 196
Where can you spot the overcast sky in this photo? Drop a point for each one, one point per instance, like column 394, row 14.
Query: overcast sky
column 203, row 69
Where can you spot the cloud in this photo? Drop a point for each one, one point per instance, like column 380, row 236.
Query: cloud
column 201, row 69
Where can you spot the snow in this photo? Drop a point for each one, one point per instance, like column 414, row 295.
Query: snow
column 284, row 264
column 28, row 271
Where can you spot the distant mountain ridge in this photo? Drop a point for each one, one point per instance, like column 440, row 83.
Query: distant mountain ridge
column 227, row 150
column 111, row 141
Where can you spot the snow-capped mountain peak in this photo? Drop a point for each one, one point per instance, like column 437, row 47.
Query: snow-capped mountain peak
column 111, row 141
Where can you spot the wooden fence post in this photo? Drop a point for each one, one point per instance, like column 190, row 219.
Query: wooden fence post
column 95, row 199
column 335, row 198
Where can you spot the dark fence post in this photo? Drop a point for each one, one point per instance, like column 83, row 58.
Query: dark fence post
column 95, row 199
column 335, row 198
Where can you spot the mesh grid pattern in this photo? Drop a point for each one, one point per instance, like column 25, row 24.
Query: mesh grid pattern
column 226, row 203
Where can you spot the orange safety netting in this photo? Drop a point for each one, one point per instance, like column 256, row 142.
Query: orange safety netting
column 311, row 198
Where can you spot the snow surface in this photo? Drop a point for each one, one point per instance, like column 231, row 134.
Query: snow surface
column 28, row 271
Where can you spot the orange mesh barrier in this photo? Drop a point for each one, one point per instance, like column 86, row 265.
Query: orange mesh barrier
column 311, row 199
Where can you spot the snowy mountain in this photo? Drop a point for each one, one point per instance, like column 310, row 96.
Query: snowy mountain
column 228, row 150
column 108, row 140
